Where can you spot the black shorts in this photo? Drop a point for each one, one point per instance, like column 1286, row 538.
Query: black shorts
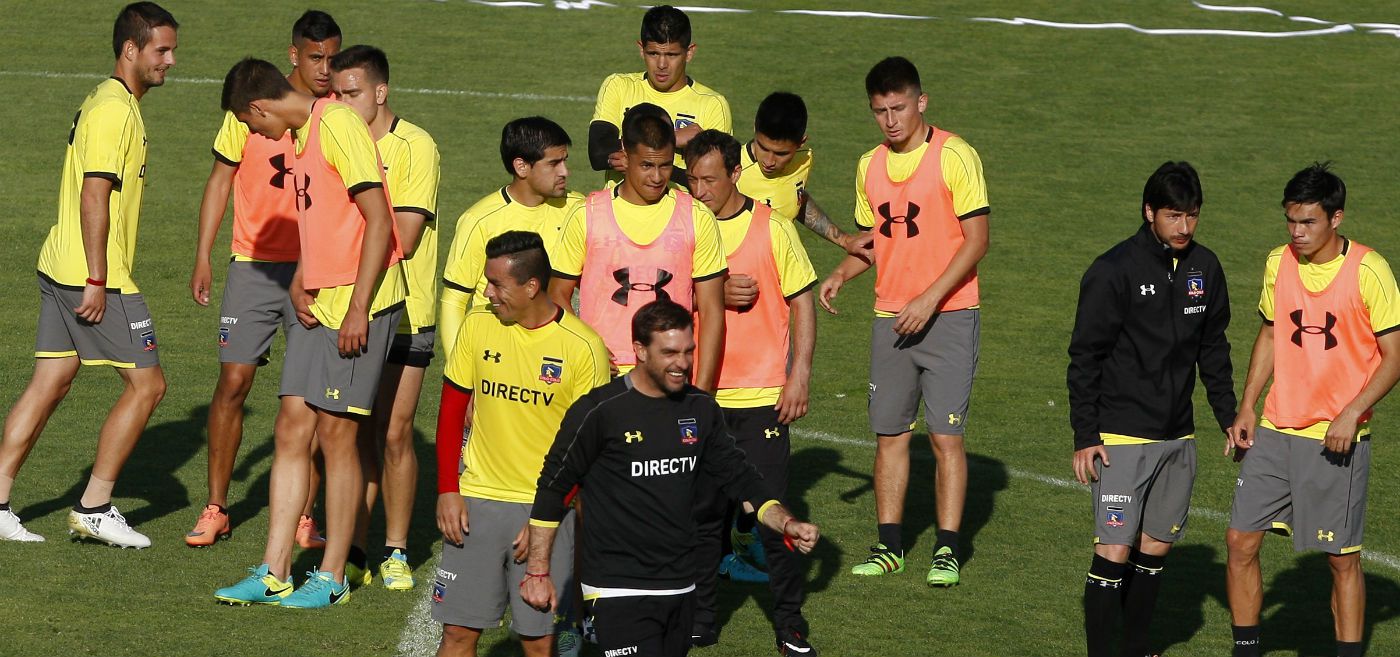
column 643, row 625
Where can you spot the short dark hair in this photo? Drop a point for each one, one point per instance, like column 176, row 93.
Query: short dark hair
column 647, row 125
column 525, row 250
column 137, row 22
column 371, row 59
column 1173, row 186
column 250, row 80
column 528, row 138
column 315, row 25
column 783, row 116
column 713, row 140
column 1317, row 184
column 658, row 317
column 665, row 24
column 891, row 75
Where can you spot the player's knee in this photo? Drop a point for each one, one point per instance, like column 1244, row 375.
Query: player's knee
column 150, row 387
column 1114, row 553
column 947, row 446
column 1242, row 546
column 1345, row 564
column 398, row 442
column 234, row 384
column 458, row 640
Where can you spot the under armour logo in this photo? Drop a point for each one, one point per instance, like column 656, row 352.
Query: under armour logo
column 279, row 179
column 954, row 419
column 1148, row 289
column 625, row 285
column 1325, row 330
column 487, row 354
column 333, row 393
column 1325, row 536
column 633, row 436
column 303, row 185
column 911, row 229
column 771, row 433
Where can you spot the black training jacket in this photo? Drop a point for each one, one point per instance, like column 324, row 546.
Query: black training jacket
column 1141, row 332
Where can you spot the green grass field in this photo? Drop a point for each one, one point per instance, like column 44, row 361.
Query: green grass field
column 1068, row 124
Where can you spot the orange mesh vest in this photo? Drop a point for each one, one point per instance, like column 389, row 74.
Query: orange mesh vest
column 756, row 338
column 916, row 231
column 620, row 276
column 265, row 201
column 1324, row 349
column 332, row 228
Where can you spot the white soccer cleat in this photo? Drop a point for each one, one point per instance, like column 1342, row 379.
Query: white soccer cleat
column 12, row 530
column 109, row 527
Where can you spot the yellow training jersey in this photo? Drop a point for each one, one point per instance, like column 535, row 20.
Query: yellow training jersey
column 642, row 224
column 795, row 276
column 522, row 380
column 107, row 140
column 693, row 104
column 1378, row 292
column 781, row 191
column 410, row 159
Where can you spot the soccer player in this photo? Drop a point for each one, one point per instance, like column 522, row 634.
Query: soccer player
column 360, row 78
column 1330, row 345
column 91, row 312
column 922, row 193
column 636, row 449
column 757, row 393
column 265, row 248
column 640, row 241
column 535, row 152
column 348, row 293
column 666, row 51
column 1152, row 312
column 519, row 365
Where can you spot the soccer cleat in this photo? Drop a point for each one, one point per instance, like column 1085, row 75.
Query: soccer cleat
column 792, row 643
column 211, row 526
column 882, row 561
column 738, row 570
column 750, row 546
column 356, row 576
column 320, row 590
column 12, row 530
column 944, row 571
column 568, row 642
column 395, row 572
column 260, row 587
column 703, row 636
column 589, row 632
column 109, row 527
column 308, row 536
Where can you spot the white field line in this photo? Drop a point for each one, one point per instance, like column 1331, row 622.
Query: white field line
column 421, row 634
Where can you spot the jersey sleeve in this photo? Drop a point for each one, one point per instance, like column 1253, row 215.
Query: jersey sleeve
column 795, row 272
column 962, row 172
column 347, row 145
column 708, row 260
column 232, row 138
column 461, row 367
column 1379, row 293
column 107, row 133
column 575, row 448
column 465, row 272
column 1266, row 295
column 865, row 218
column 566, row 260
column 717, row 116
column 415, row 186
column 451, row 273
column 609, row 104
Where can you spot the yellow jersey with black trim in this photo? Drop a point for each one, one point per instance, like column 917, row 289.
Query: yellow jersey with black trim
column 692, row 104
column 641, row 224
column 1379, row 294
column 107, row 140
column 522, row 381
column 781, row 191
column 795, row 276
column 410, row 159
column 490, row 217
column 962, row 172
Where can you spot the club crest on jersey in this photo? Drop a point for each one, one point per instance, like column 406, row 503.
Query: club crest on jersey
column 223, row 337
column 148, row 341
column 551, row 370
column 1115, row 517
column 438, row 591
column 685, row 121
column 1195, row 285
column 690, row 431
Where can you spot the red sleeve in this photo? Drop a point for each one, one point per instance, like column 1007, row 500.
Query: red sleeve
column 452, row 422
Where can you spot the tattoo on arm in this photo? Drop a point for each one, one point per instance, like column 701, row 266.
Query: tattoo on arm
column 814, row 218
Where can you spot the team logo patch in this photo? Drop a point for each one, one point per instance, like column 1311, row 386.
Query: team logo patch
column 1115, row 516
column 223, row 337
column 1195, row 286
column 148, row 341
column 551, row 370
column 438, row 591
column 684, row 121
column 690, row 431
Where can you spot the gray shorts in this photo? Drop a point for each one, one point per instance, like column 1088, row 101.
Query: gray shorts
column 413, row 349
column 1288, row 484
column 255, row 303
column 125, row 338
column 937, row 364
column 1146, row 490
column 315, row 371
column 477, row 580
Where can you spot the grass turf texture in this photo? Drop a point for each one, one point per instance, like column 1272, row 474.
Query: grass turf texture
column 1068, row 124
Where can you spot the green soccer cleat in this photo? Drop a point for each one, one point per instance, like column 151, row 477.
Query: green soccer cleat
column 882, row 561
column 944, row 571
column 395, row 572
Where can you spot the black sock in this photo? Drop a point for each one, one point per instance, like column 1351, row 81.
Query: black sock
column 4, row 506
column 1348, row 649
column 889, row 536
column 1102, row 601
column 947, row 539
column 358, row 557
column 389, row 551
column 1140, row 586
column 101, row 508
column 1246, row 640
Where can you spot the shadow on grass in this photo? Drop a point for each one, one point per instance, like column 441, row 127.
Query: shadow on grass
column 1194, row 576
column 1295, row 616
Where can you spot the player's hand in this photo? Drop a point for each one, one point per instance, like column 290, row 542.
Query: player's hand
column 1341, row 434
column 860, row 245
column 916, row 314
column 353, row 334
column 538, row 592
column 827, row 293
column 618, row 161
column 792, row 402
column 94, row 304
column 452, row 517
column 740, row 291
column 521, row 543
column 684, row 135
column 1084, row 469
column 301, row 303
column 200, row 282
column 804, row 535
column 1240, row 435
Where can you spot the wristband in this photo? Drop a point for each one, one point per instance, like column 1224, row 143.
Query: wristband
column 787, row 540
column 526, row 578
column 98, row 283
